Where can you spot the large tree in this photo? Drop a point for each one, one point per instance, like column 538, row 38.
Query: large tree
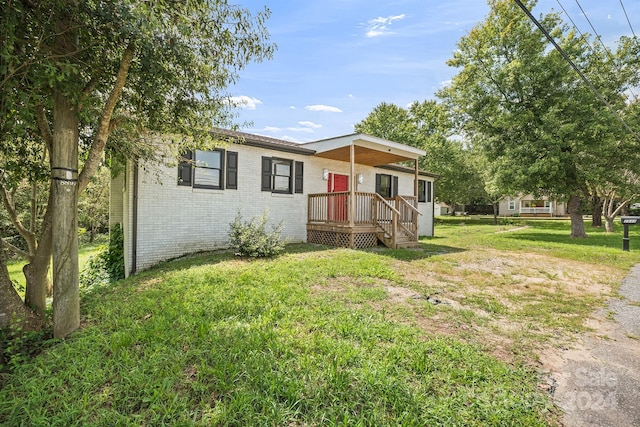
column 427, row 125
column 81, row 76
column 541, row 127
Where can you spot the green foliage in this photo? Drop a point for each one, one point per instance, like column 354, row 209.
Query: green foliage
column 427, row 125
column 95, row 272
column 252, row 239
column 108, row 264
column 540, row 127
column 93, row 204
column 115, row 255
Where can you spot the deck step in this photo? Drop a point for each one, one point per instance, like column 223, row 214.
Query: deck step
column 401, row 242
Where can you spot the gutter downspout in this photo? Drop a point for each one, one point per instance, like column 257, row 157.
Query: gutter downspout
column 134, row 225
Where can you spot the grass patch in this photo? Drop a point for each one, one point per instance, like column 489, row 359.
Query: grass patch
column 322, row 336
column 232, row 342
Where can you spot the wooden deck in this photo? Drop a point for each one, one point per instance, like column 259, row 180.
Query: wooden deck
column 394, row 222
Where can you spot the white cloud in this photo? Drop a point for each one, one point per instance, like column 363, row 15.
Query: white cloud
column 293, row 107
column 446, row 83
column 380, row 26
column 324, row 108
column 244, row 101
column 311, row 125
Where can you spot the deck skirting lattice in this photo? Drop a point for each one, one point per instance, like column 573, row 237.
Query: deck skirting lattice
column 361, row 240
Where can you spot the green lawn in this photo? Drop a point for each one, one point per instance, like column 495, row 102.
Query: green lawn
column 85, row 252
column 323, row 336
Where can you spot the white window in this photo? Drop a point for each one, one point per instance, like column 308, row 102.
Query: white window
column 512, row 205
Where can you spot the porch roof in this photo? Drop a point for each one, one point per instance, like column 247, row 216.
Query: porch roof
column 369, row 150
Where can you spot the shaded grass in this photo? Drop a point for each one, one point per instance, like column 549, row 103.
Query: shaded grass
column 221, row 341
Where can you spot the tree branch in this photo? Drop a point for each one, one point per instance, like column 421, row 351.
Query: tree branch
column 15, row 249
column 28, row 236
column 43, row 125
column 100, row 140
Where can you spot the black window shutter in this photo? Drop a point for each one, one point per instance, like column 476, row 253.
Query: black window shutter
column 394, row 191
column 232, row 170
column 266, row 174
column 222, row 162
column 378, row 183
column 299, row 177
column 429, row 190
column 185, row 167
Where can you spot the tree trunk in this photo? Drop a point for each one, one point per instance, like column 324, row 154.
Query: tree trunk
column 608, row 224
column 64, row 158
column 596, row 211
column 495, row 213
column 453, row 209
column 36, row 272
column 577, row 222
column 64, row 189
column 14, row 312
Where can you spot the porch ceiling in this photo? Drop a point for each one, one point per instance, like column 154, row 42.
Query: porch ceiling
column 363, row 156
column 368, row 150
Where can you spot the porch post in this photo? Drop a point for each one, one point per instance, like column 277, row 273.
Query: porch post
column 352, row 186
column 415, row 181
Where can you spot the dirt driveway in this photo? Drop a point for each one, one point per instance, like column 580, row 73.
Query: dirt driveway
column 597, row 382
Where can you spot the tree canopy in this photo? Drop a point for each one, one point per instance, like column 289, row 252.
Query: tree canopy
column 81, row 76
column 427, row 125
column 543, row 130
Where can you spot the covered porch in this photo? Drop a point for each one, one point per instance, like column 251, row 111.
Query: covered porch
column 358, row 219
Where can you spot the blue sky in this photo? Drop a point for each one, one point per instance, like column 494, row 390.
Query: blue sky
column 338, row 59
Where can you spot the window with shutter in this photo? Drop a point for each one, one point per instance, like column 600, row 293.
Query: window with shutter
column 208, row 169
column 278, row 175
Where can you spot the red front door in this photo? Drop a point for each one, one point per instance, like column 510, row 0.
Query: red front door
column 337, row 202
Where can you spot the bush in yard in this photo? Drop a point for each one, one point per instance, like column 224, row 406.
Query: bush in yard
column 108, row 265
column 252, row 239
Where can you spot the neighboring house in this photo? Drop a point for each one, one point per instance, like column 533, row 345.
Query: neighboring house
column 442, row 209
column 531, row 206
column 167, row 212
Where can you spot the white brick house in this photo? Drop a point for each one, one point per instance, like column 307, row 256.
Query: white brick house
column 166, row 212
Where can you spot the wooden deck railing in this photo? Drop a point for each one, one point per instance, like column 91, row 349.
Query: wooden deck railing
column 334, row 208
column 397, row 217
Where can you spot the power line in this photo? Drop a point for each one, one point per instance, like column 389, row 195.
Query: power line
column 595, row 31
column 586, row 40
column 572, row 23
column 628, row 21
column 575, row 68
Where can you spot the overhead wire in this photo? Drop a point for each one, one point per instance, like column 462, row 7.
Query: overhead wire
column 576, row 69
column 598, row 37
column 629, row 22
